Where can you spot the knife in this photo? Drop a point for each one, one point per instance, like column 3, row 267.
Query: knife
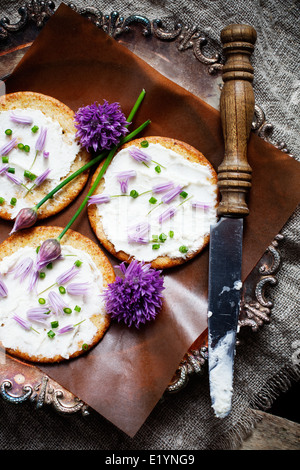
column 226, row 236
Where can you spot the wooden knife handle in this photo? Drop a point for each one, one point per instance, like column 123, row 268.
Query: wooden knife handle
column 237, row 110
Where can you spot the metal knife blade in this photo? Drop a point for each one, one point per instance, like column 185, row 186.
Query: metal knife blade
column 226, row 237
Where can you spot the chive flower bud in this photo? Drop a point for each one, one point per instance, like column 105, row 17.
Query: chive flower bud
column 25, row 218
column 3, row 289
column 200, row 205
column 23, row 323
column 67, row 275
column 55, row 303
column 5, row 149
column 161, row 187
column 170, row 195
column 42, row 177
column 38, row 314
column 49, row 251
column 40, row 143
column 78, row 288
column 167, row 214
column 99, row 199
column 139, row 155
column 4, row 169
column 15, row 179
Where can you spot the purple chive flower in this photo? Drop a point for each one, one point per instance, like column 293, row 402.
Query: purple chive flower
column 38, row 314
column 65, row 329
column 15, row 179
column 5, row 149
column 45, row 154
column 124, row 177
column 79, row 288
column 67, row 275
column 139, row 155
column 55, row 303
column 139, row 233
column 22, row 322
column 99, row 199
column 167, row 214
column 161, row 187
column 137, row 296
column 100, row 126
column 170, row 195
column 41, row 140
column 200, row 205
column 21, row 118
column 22, row 269
column 4, row 168
column 3, row 289
column 25, row 218
column 42, row 177
column 49, row 251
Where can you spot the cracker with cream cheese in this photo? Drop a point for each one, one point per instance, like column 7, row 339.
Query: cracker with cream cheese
column 24, row 116
column 162, row 212
column 61, row 321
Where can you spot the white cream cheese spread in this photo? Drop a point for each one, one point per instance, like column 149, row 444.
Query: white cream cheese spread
column 175, row 228
column 58, row 154
column 56, row 333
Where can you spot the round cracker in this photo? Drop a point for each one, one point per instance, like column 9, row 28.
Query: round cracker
column 34, row 237
column 186, row 151
column 61, row 113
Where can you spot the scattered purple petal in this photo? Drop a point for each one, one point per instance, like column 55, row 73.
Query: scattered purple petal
column 21, row 118
column 42, row 177
column 67, row 276
column 3, row 289
column 15, row 179
column 200, row 205
column 5, row 149
column 123, row 178
column 79, row 288
column 170, row 195
column 25, row 218
column 45, row 154
column 137, row 297
column 65, row 329
column 22, row 322
column 38, row 314
column 49, row 251
column 167, row 214
column 100, row 126
column 99, row 199
column 139, row 233
column 139, row 155
column 4, row 168
column 33, row 279
column 22, row 269
column 41, row 140
column 55, row 303
column 161, row 187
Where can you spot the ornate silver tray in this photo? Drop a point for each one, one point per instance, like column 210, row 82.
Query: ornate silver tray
column 163, row 49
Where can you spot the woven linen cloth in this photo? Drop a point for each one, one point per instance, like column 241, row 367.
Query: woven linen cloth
column 266, row 362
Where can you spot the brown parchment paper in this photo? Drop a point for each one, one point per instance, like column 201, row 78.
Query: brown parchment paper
column 125, row 375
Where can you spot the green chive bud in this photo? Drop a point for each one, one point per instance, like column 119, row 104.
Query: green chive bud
column 155, row 246
column 78, row 263
column 77, row 308
column 171, row 234
column 183, row 249
column 145, row 144
column 26, row 148
column 42, row 301
column 62, row 290
column 42, row 275
column 152, row 200
column 68, row 310
column 8, row 132
column 54, row 324
column 13, row 201
column 134, row 193
column 5, row 159
column 51, row 334
column 21, row 146
column 163, row 237
column 34, row 129
column 2, row 201
column 157, row 169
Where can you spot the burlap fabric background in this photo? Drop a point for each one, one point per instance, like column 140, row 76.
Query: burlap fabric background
column 267, row 364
